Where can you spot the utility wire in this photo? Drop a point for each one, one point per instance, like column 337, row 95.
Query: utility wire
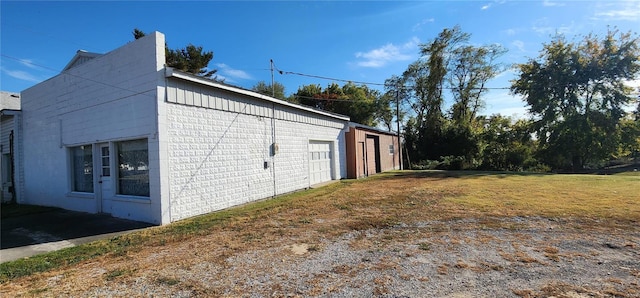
column 283, row 72
column 49, row 36
column 70, row 74
column 327, row 99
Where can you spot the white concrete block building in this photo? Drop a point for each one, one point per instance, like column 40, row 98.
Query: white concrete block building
column 122, row 134
column 10, row 147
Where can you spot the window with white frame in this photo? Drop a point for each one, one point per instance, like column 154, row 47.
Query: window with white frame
column 133, row 168
column 392, row 150
column 82, row 168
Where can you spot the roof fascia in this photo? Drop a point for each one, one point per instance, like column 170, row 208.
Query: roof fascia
column 171, row 72
column 10, row 112
column 371, row 128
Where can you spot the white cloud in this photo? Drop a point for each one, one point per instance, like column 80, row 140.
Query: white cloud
column 489, row 5
column 28, row 63
column 418, row 26
column 549, row 3
column 621, row 11
column 21, row 75
column 388, row 53
column 508, row 72
column 510, row 32
column 505, row 104
column 543, row 27
column 518, row 44
column 226, row 71
column 515, row 113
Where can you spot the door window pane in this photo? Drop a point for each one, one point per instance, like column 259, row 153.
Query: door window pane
column 133, row 168
column 82, row 168
column 106, row 166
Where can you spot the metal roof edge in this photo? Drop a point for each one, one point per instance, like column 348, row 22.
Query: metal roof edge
column 358, row 125
column 10, row 112
column 171, row 72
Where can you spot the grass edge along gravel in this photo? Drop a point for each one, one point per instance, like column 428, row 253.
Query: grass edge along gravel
column 481, row 200
column 154, row 236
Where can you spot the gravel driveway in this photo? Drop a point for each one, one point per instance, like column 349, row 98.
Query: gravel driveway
column 422, row 234
column 523, row 257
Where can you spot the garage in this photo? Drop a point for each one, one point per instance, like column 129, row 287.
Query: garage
column 320, row 160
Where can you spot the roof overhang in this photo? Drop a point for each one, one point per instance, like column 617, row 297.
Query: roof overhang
column 9, row 112
column 173, row 73
column 372, row 129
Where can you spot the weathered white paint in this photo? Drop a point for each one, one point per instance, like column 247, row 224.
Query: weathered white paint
column 10, row 117
column 211, row 146
column 108, row 98
column 220, row 159
column 320, row 161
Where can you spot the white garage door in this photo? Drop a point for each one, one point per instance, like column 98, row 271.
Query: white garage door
column 320, row 158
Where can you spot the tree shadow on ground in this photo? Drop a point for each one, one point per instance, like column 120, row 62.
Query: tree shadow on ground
column 442, row 174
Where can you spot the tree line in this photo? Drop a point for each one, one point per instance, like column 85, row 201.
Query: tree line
column 574, row 91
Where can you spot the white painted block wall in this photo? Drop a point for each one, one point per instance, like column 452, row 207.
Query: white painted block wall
column 207, row 146
column 110, row 98
column 217, row 158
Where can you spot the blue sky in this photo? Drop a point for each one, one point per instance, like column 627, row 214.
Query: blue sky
column 351, row 40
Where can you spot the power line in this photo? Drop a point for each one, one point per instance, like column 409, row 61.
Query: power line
column 282, row 72
column 69, row 74
column 50, row 36
column 326, row 99
column 328, row 78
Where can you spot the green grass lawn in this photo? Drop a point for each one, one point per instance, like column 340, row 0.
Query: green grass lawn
column 377, row 202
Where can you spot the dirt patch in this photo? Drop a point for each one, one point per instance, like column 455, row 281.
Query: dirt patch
column 299, row 249
column 542, row 258
column 381, row 238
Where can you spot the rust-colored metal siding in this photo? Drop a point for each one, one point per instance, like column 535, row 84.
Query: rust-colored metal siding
column 372, row 157
column 362, row 160
column 351, row 153
column 362, row 147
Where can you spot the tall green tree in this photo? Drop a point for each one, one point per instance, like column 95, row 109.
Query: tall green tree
column 447, row 62
column 192, row 59
column 437, row 54
column 576, row 94
column 362, row 104
column 472, row 67
column 277, row 90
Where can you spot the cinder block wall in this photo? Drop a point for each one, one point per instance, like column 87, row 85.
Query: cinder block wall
column 217, row 158
column 109, row 98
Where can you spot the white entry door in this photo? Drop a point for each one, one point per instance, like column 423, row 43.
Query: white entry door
column 320, row 160
column 106, row 182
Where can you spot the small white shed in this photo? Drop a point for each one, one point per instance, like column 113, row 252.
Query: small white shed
column 120, row 133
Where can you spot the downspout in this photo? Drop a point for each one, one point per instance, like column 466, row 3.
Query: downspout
column 273, row 147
